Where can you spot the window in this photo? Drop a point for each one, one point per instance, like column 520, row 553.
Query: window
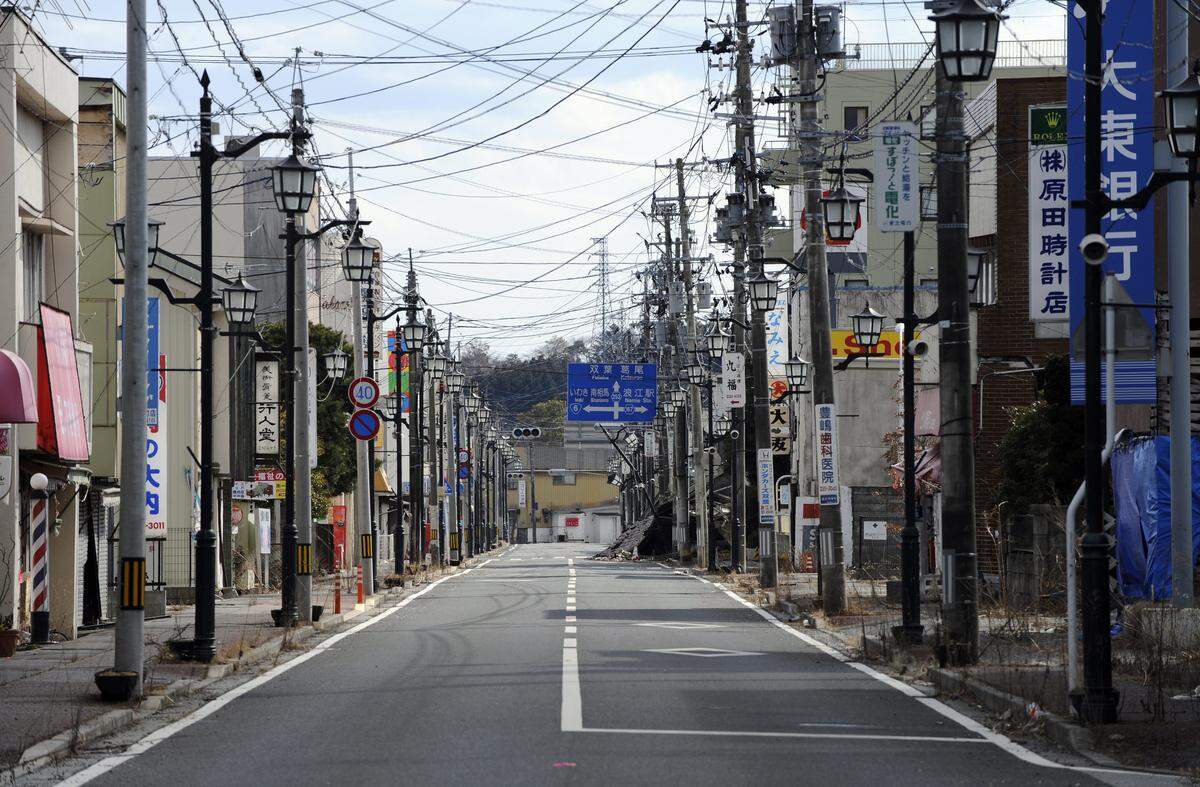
column 929, row 203
column 855, row 121
column 928, row 121
column 563, row 479
column 859, row 284
column 32, row 274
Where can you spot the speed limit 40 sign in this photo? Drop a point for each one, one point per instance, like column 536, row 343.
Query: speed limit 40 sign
column 364, row 392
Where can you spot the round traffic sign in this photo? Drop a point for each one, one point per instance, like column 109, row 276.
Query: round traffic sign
column 364, row 392
column 364, row 424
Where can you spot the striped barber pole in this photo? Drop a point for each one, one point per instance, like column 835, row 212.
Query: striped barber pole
column 38, row 520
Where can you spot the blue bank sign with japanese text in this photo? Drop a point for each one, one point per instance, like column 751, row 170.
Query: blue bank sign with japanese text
column 1127, row 162
column 612, row 392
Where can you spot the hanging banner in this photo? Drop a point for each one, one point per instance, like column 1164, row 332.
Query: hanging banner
column 776, row 324
column 156, row 457
column 781, row 428
column 521, row 493
column 766, row 487
column 266, row 408
column 733, row 379
column 1127, row 162
column 827, row 454
column 312, row 408
column 1048, row 260
column 896, row 198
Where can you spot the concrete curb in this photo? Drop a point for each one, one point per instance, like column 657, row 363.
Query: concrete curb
column 1062, row 731
column 63, row 744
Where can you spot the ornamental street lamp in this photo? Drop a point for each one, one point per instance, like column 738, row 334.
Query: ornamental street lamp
column 694, row 373
column 358, row 260
column 967, row 35
column 414, row 333
column 975, row 258
column 764, row 290
column 152, row 228
column 841, row 210
column 335, row 363
column 678, row 397
column 389, row 406
column 239, row 301
column 797, row 370
column 867, row 325
column 718, row 341
column 1182, row 104
column 293, row 182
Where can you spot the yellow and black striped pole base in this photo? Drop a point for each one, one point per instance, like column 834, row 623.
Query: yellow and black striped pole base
column 367, row 546
column 133, row 583
column 304, row 560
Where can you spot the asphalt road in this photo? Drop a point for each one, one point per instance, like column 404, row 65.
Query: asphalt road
column 541, row 667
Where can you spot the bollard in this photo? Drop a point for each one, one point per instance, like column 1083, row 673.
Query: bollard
column 360, row 585
column 337, row 592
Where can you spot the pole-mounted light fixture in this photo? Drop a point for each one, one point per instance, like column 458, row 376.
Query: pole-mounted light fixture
column 335, row 363
column 975, row 258
column 389, row 405
column 414, row 334
column 967, row 35
column 718, row 341
column 764, row 291
column 867, row 325
column 797, row 369
column 1182, row 104
column 294, row 182
column 694, row 373
column 240, row 299
column 152, row 228
column 358, row 260
column 841, row 210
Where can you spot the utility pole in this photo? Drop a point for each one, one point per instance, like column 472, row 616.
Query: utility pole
column 370, row 358
column 1179, row 271
column 751, row 239
column 960, row 594
column 806, row 135
column 699, row 457
column 302, row 407
column 363, row 544
column 416, row 436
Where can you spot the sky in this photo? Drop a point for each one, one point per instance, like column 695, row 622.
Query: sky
column 498, row 139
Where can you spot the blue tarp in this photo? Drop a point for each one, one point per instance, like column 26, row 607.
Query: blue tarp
column 1141, row 478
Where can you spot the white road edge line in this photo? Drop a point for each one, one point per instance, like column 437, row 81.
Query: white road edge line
column 209, row 708
column 827, row 735
column 1001, row 741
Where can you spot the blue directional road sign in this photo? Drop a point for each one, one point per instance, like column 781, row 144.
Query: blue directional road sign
column 612, row 392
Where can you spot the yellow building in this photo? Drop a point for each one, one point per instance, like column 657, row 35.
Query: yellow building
column 565, row 493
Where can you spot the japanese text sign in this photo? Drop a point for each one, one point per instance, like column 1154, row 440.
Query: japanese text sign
column 827, row 454
column 896, row 195
column 1048, row 258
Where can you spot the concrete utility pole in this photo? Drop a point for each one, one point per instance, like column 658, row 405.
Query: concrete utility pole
column 806, row 135
column 751, row 239
column 128, row 655
column 362, row 489
column 416, row 436
column 1179, row 268
column 699, row 458
column 303, row 410
column 959, row 568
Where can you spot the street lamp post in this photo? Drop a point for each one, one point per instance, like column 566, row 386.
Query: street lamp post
column 966, row 35
column 764, row 291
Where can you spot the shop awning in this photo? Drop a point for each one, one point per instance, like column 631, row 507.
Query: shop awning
column 19, row 404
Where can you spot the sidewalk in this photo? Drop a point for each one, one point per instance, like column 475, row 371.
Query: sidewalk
column 50, row 691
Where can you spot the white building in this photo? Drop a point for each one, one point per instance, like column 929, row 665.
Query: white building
column 39, row 316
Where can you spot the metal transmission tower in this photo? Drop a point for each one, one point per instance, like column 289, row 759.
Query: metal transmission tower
column 601, row 271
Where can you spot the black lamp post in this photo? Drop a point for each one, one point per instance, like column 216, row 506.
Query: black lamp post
column 867, row 326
